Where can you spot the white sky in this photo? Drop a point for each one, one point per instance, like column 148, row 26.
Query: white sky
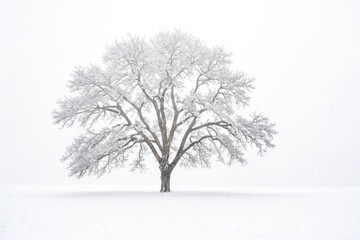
column 305, row 56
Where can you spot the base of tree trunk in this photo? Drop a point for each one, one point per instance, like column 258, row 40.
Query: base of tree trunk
column 165, row 182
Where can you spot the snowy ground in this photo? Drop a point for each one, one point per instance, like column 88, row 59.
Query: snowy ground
column 113, row 213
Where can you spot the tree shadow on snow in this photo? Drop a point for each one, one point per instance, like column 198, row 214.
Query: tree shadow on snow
column 173, row 194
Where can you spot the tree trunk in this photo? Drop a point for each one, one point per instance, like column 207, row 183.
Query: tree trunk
column 165, row 181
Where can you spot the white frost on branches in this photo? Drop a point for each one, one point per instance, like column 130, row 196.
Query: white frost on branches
column 171, row 96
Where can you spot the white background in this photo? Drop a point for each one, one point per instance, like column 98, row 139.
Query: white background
column 305, row 56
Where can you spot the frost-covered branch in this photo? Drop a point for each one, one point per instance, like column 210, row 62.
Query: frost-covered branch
column 170, row 97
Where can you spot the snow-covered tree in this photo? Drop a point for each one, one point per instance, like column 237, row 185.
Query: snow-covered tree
column 170, row 97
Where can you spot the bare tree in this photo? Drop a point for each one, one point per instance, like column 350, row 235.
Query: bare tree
column 171, row 96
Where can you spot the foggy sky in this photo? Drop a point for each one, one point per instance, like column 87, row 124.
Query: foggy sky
column 305, row 56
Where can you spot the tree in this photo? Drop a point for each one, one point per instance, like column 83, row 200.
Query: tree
column 171, row 96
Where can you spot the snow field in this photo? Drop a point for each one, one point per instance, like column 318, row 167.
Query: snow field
column 106, row 212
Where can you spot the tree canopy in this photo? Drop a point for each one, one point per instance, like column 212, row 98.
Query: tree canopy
column 170, row 97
